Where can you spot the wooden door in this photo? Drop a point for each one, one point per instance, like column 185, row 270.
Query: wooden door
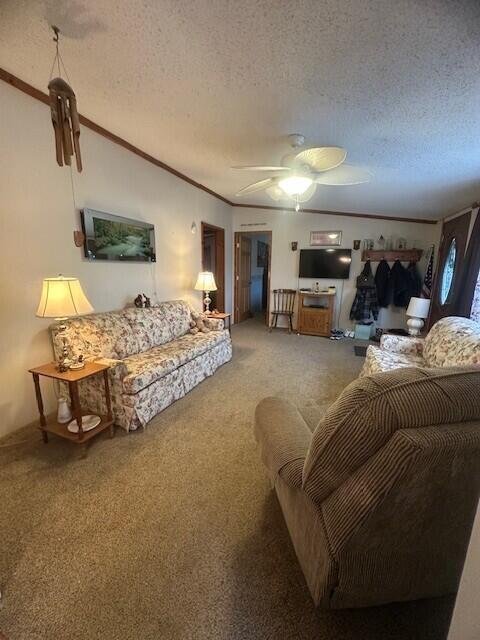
column 220, row 269
column 243, row 252
column 213, row 259
column 451, row 255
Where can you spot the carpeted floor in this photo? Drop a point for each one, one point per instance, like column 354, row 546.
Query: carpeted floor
column 173, row 533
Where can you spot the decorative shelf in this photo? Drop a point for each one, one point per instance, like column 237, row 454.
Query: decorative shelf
column 404, row 255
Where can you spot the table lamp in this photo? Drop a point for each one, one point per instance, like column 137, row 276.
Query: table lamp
column 206, row 283
column 417, row 311
column 63, row 298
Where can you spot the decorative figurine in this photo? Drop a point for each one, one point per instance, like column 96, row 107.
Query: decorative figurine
column 381, row 243
column 138, row 302
column 147, row 303
column 78, row 364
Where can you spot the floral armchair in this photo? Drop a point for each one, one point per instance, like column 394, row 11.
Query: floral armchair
column 451, row 342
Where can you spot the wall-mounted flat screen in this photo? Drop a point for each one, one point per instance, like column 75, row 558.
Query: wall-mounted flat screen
column 110, row 237
column 325, row 263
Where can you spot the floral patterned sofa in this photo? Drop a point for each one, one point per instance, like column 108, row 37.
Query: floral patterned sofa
column 154, row 358
column 451, row 342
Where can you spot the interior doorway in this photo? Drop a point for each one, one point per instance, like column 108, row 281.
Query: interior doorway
column 213, row 259
column 252, row 275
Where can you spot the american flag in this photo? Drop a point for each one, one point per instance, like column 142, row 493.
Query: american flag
column 427, row 280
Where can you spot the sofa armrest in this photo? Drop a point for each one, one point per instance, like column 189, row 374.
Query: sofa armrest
column 118, row 368
column 284, row 438
column 92, row 390
column 402, row 344
column 214, row 324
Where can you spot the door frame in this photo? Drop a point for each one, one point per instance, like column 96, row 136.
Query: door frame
column 219, row 233
column 455, row 228
column 236, row 266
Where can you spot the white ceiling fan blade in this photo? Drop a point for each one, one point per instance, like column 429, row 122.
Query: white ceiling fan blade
column 322, row 158
column 256, row 186
column 260, row 168
column 344, row 176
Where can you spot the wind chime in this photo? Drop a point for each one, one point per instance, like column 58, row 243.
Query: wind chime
column 63, row 107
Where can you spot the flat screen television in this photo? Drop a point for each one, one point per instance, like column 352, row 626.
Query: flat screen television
column 110, row 237
column 325, row 263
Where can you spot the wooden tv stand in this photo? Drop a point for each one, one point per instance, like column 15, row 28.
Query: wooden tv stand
column 315, row 313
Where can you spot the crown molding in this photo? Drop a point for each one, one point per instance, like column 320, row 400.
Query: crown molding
column 349, row 214
column 39, row 95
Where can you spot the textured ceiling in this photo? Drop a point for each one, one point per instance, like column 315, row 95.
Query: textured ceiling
column 206, row 84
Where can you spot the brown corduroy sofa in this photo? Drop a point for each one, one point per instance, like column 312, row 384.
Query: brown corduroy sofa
column 380, row 498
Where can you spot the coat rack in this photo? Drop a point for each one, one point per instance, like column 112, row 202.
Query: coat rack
column 404, row 255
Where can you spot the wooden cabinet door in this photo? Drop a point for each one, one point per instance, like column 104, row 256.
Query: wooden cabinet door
column 315, row 322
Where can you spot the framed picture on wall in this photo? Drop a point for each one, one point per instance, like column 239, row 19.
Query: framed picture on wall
column 325, row 238
column 261, row 254
column 111, row 237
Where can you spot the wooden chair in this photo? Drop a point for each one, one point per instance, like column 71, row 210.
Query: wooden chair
column 283, row 305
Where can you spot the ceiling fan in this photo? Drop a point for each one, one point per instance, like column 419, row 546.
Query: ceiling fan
column 301, row 171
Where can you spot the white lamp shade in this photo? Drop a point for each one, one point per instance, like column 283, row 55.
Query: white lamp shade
column 418, row 307
column 205, row 281
column 295, row 185
column 61, row 298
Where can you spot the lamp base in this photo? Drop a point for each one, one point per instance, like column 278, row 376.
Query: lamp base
column 64, row 361
column 415, row 325
column 88, row 423
column 206, row 301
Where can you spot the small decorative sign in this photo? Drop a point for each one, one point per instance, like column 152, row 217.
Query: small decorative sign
column 325, row 238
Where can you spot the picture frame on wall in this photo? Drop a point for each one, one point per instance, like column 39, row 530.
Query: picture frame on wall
column 115, row 238
column 325, row 238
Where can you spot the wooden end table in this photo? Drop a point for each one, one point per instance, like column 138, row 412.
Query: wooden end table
column 49, row 424
column 224, row 317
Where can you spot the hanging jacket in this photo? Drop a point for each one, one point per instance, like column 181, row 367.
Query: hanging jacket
column 399, row 285
column 365, row 304
column 382, row 282
column 414, row 281
column 366, row 280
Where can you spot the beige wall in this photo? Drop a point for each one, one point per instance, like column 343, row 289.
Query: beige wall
column 289, row 226
column 37, row 220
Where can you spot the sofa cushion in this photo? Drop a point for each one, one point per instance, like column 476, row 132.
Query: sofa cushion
column 148, row 366
column 452, row 342
column 160, row 324
column 108, row 335
column 372, row 408
column 378, row 360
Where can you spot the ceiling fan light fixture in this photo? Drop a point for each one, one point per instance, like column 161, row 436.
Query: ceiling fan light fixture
column 295, row 185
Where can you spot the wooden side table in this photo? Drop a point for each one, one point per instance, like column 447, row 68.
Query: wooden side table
column 224, row 317
column 49, row 424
